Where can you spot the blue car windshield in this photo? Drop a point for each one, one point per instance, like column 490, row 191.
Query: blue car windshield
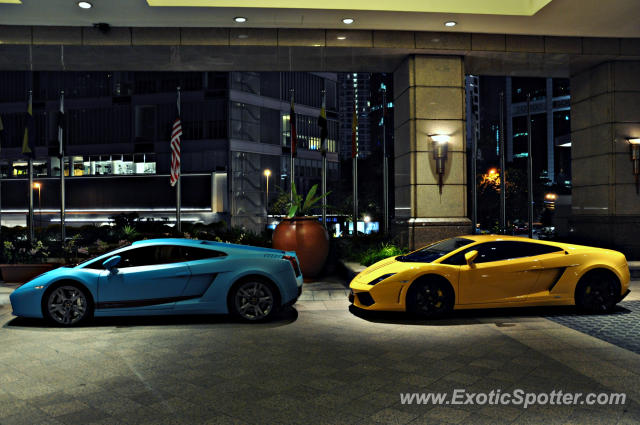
column 431, row 253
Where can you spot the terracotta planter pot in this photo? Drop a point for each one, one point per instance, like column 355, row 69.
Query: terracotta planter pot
column 22, row 273
column 308, row 238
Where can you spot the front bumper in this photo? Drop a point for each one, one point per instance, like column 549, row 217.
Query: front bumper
column 386, row 296
column 27, row 302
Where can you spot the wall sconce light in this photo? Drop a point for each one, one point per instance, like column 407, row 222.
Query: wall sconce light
column 635, row 157
column 440, row 148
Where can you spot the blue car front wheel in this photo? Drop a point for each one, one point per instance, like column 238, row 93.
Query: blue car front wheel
column 66, row 305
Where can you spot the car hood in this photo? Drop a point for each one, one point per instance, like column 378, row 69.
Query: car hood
column 386, row 266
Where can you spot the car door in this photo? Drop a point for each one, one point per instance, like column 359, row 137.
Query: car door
column 151, row 276
column 502, row 272
column 204, row 264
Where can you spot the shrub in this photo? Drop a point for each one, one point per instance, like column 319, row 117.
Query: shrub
column 385, row 250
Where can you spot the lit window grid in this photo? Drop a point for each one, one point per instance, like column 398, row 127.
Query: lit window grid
column 308, row 133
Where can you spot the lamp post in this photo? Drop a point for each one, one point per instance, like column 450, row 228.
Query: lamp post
column 635, row 158
column 440, row 149
column 39, row 187
column 267, row 174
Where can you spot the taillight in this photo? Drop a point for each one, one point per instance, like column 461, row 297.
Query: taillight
column 294, row 263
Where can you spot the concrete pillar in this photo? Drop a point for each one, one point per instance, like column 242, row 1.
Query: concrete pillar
column 605, row 111
column 429, row 99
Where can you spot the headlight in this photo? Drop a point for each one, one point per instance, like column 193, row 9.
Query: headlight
column 380, row 279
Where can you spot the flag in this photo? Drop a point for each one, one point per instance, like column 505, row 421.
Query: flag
column 294, row 135
column 176, row 134
column 61, row 126
column 322, row 123
column 29, row 131
column 354, row 132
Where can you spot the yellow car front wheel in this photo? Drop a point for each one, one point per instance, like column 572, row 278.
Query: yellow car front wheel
column 430, row 297
column 598, row 292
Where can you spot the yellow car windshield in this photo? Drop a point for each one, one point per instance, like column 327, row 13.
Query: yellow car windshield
column 433, row 252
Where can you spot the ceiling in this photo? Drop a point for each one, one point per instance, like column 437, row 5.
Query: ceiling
column 588, row 18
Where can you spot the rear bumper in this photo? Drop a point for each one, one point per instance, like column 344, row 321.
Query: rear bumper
column 293, row 300
column 623, row 296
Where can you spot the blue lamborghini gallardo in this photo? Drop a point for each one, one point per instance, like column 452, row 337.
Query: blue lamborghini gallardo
column 166, row 276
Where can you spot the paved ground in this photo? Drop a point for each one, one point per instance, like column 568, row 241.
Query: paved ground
column 318, row 364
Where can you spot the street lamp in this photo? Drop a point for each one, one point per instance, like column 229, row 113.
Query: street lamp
column 440, row 148
column 635, row 157
column 267, row 174
column 39, row 186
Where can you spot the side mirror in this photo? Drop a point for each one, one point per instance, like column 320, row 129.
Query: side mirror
column 470, row 257
column 111, row 263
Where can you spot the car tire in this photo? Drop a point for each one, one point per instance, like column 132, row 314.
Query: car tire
column 597, row 292
column 430, row 298
column 254, row 299
column 67, row 304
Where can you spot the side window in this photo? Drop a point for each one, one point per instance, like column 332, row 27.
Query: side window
column 505, row 250
column 527, row 249
column 137, row 257
column 194, row 254
column 168, row 254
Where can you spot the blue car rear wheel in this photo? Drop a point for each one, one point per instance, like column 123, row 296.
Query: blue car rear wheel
column 254, row 300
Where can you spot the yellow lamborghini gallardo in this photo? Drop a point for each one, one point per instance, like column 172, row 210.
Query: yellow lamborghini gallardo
column 484, row 271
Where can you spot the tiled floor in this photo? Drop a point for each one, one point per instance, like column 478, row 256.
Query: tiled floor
column 317, row 364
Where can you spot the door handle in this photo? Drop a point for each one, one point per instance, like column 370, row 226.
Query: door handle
column 181, row 274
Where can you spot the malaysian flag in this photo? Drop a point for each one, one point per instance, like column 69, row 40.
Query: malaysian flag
column 176, row 134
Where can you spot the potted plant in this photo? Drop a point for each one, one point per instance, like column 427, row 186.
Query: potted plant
column 303, row 233
column 24, row 262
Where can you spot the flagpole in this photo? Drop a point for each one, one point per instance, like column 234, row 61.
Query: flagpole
column 529, row 168
column 324, row 166
column 31, row 154
column 503, row 171
column 354, row 148
column 62, row 187
column 385, row 165
column 292, row 125
column 178, row 184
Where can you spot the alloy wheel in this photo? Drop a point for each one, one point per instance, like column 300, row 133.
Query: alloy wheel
column 599, row 296
column 254, row 300
column 67, row 305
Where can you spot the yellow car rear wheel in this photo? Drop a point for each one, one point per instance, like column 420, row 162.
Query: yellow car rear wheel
column 430, row 297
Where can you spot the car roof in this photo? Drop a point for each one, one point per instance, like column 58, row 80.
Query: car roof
column 496, row 238
column 206, row 244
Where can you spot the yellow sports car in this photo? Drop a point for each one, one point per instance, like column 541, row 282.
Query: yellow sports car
column 484, row 271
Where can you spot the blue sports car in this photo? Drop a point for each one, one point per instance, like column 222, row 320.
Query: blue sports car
column 165, row 276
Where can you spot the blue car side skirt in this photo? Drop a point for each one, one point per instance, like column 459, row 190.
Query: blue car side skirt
column 142, row 303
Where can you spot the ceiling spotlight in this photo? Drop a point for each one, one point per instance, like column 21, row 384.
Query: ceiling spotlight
column 450, row 24
column 240, row 19
column 348, row 21
column 243, row 36
column 84, row 5
column 341, row 37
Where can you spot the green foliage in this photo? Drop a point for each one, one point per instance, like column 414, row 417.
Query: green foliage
column 24, row 253
column 298, row 207
column 130, row 233
column 385, row 250
column 368, row 249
